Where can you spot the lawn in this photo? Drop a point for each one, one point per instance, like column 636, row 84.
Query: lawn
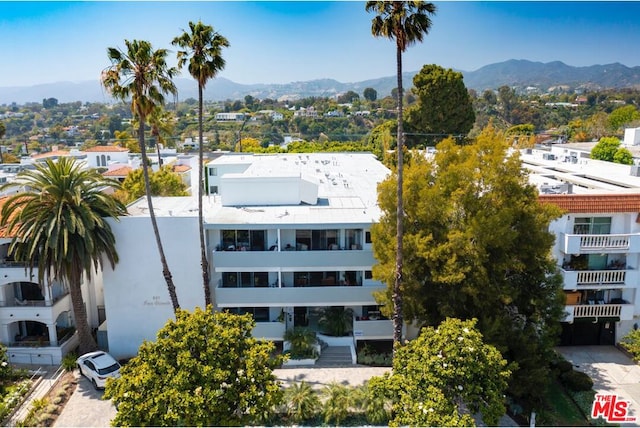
column 563, row 412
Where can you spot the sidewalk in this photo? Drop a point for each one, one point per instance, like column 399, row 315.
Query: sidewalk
column 44, row 378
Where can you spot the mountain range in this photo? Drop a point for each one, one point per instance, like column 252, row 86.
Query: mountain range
column 515, row 73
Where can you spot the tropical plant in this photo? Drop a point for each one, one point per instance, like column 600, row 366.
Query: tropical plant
column 406, row 22
column 204, row 369
column 301, row 402
column 338, row 401
column 162, row 125
column 336, row 320
column 59, row 226
column 376, row 407
column 302, row 341
column 202, row 48
column 142, row 74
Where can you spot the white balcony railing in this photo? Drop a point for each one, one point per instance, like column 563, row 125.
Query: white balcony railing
column 596, row 311
column 574, row 279
column 618, row 243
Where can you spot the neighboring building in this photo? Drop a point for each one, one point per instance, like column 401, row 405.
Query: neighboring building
column 103, row 156
column 597, row 241
column 306, row 112
column 36, row 323
column 286, row 235
column 230, row 117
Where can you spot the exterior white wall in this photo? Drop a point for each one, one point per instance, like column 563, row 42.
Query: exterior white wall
column 93, row 158
column 221, row 169
column 242, row 190
column 137, row 302
column 631, row 137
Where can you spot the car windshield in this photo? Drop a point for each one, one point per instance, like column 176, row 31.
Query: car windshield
column 110, row 369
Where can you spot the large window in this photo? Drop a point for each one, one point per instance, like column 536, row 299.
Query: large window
column 592, row 225
column 243, row 240
column 245, row 279
column 315, row 279
column 317, row 239
column 353, row 239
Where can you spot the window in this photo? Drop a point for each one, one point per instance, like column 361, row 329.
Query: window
column 368, row 274
column 213, row 190
column 367, row 237
column 353, row 239
column 243, row 240
column 260, row 314
column 592, row 225
column 213, row 172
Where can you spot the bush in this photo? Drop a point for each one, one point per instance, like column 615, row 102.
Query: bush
column 69, row 361
column 576, row 381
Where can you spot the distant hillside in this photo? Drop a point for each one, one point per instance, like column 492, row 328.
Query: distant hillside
column 518, row 73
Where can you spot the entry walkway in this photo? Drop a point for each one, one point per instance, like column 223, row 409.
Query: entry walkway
column 611, row 370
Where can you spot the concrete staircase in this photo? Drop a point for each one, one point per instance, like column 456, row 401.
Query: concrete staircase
column 335, row 356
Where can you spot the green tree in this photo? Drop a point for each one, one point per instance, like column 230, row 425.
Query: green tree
column 301, row 402
column 623, row 156
column 162, row 126
column 477, row 246
column 141, row 74
column 163, row 182
column 336, row 320
column 623, row 116
column 370, row 94
column 443, row 108
column 204, row 369
column 631, row 342
column 605, row 149
column 202, row 50
column 406, row 22
column 444, row 376
column 59, row 226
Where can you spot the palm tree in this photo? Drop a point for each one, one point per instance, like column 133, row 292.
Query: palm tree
column 406, row 22
column 202, row 48
column 162, row 124
column 142, row 74
column 59, row 226
column 301, row 402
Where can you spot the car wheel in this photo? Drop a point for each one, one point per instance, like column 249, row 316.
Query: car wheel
column 95, row 385
column 80, row 369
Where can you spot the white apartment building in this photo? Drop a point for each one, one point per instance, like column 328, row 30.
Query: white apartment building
column 597, row 241
column 286, row 236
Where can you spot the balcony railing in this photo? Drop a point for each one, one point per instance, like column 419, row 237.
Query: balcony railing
column 32, row 303
column 319, row 260
column 597, row 311
column 619, row 243
column 574, row 279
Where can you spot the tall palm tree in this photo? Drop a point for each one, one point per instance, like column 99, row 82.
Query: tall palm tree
column 162, row 124
column 202, row 49
column 59, row 226
column 142, row 74
column 406, row 22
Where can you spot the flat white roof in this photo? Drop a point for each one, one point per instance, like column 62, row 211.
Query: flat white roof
column 347, row 191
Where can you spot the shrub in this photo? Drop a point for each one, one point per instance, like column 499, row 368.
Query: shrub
column 69, row 361
column 576, row 381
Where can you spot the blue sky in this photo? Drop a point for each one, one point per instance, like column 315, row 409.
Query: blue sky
column 281, row 42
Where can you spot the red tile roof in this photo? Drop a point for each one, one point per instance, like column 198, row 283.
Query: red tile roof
column 56, row 153
column 123, row 171
column 604, row 203
column 106, row 149
column 181, row 168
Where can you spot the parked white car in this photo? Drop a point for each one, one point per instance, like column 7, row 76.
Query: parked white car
column 98, row 366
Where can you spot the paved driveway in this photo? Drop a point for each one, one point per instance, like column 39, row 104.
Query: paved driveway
column 611, row 370
column 86, row 408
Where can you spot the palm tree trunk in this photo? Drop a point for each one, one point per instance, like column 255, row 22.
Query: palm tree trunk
column 147, row 186
column 203, row 251
column 397, row 294
column 87, row 343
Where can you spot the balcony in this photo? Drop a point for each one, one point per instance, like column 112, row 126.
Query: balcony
column 610, row 244
column 296, row 296
column 293, row 260
column 269, row 330
column 585, row 279
column 606, row 311
column 373, row 329
column 38, row 310
column 11, row 271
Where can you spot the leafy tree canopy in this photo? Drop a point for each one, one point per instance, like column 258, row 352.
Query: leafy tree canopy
column 477, row 245
column 623, row 116
column 623, row 156
column 443, row 375
column 370, row 94
column 204, row 369
column 443, row 106
column 605, row 149
column 163, row 183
